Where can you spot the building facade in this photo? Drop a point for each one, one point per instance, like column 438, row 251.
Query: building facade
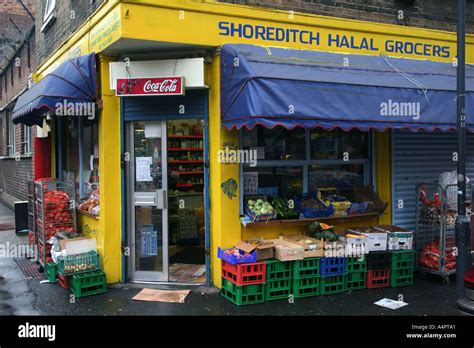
column 156, row 149
column 18, row 63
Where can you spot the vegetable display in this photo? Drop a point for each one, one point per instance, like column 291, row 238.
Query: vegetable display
column 319, row 230
column 260, row 210
column 429, row 257
column 57, row 213
column 281, row 205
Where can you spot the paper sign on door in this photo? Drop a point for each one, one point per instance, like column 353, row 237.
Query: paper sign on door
column 142, row 169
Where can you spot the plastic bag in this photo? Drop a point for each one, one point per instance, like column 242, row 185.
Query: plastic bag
column 449, row 178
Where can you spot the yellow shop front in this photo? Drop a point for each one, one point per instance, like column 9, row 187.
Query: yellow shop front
column 172, row 185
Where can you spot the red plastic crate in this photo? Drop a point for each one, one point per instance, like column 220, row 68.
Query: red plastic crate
column 245, row 273
column 63, row 281
column 378, row 278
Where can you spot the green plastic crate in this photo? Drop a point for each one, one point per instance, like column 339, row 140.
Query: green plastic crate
column 278, row 270
column 278, row 289
column 51, row 271
column 401, row 277
column 306, row 268
column 243, row 295
column 355, row 280
column 306, row 287
column 90, row 283
column 78, row 263
column 355, row 264
column 332, row 284
column 402, row 259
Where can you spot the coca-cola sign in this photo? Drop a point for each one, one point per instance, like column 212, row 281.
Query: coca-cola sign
column 150, row 86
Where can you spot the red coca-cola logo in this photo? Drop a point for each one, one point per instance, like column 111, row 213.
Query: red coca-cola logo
column 150, row 86
column 166, row 86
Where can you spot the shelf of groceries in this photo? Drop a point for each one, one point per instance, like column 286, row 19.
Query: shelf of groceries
column 322, row 261
column 325, row 205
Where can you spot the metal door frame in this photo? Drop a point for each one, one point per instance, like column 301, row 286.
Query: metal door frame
column 146, row 276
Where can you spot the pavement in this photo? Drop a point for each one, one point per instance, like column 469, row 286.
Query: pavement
column 22, row 296
column 16, row 297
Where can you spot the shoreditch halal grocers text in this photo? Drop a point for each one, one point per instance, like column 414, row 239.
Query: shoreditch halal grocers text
column 335, row 40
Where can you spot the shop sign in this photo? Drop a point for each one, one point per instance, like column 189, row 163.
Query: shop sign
column 150, row 86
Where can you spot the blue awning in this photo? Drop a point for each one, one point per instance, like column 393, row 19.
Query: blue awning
column 73, row 81
column 299, row 88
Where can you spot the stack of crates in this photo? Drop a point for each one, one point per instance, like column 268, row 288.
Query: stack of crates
column 307, row 277
column 355, row 273
column 244, row 284
column 402, row 266
column 81, row 274
column 378, row 269
column 279, row 278
column 332, row 275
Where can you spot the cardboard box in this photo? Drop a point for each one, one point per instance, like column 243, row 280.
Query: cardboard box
column 312, row 247
column 78, row 245
column 264, row 248
column 286, row 251
column 398, row 238
column 356, row 245
column 367, row 194
column 377, row 241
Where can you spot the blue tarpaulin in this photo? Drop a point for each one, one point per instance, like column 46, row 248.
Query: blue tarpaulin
column 271, row 87
column 72, row 82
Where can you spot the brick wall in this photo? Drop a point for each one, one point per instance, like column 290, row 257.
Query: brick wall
column 16, row 175
column 70, row 14
column 20, row 74
column 433, row 14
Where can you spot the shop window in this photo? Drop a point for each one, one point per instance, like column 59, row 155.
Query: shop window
column 292, row 162
column 338, row 144
column 26, row 140
column 276, row 143
column 78, row 154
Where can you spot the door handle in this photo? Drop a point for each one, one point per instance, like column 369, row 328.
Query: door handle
column 161, row 199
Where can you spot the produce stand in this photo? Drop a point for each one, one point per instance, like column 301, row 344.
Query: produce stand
column 55, row 214
column 307, row 221
column 436, row 213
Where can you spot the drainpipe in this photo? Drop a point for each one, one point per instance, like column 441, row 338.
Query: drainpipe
column 463, row 261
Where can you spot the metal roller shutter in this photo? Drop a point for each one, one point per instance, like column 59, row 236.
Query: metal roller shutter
column 421, row 157
column 192, row 105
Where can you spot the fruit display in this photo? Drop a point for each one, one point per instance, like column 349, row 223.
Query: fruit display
column 236, row 256
column 283, row 210
column 91, row 204
column 330, row 196
column 312, row 207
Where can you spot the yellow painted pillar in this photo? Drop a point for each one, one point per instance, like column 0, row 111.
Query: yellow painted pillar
column 110, row 221
column 225, row 222
column 383, row 173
